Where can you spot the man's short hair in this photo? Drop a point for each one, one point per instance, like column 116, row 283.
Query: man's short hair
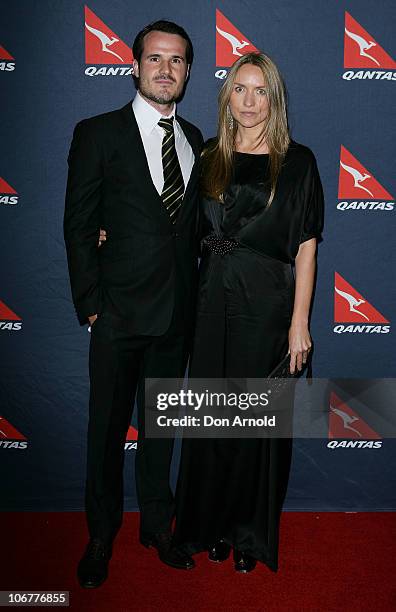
column 162, row 26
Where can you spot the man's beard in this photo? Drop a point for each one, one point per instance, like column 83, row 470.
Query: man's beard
column 165, row 98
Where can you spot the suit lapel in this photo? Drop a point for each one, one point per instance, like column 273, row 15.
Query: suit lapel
column 141, row 167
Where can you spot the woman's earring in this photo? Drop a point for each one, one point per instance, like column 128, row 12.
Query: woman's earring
column 230, row 119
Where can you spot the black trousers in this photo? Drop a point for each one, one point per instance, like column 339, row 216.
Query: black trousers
column 119, row 363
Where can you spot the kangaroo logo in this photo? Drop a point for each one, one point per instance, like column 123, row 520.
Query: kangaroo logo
column 352, row 301
column 358, row 177
column 361, row 50
column 234, row 41
column 352, row 176
column 229, row 42
column 98, row 40
column 363, row 45
column 347, row 419
column 350, row 306
column 344, row 422
column 105, row 40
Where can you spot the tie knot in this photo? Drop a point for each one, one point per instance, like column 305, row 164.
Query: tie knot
column 166, row 124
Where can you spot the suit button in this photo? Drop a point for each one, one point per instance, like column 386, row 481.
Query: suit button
column 175, row 235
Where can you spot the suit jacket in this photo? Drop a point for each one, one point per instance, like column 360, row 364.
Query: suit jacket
column 148, row 265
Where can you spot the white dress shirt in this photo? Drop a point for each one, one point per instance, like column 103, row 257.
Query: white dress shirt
column 147, row 118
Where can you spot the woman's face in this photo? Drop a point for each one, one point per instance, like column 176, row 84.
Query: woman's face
column 249, row 101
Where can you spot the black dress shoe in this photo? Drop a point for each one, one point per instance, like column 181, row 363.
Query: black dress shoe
column 167, row 552
column 219, row 552
column 243, row 563
column 93, row 567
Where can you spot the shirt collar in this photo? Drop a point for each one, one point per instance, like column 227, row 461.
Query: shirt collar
column 146, row 115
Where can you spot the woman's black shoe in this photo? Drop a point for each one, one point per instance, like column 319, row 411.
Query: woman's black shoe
column 219, row 552
column 243, row 563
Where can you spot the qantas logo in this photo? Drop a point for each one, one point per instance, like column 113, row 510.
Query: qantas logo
column 8, row 319
column 103, row 46
column 7, row 62
column 8, row 431
column 131, row 439
column 356, row 182
column 230, row 44
column 351, row 307
column 8, row 195
column 4, row 55
column 361, row 50
column 10, row 437
column 346, row 423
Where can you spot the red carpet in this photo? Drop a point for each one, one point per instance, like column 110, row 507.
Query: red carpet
column 328, row 562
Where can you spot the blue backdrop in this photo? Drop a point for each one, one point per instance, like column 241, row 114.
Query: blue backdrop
column 336, row 58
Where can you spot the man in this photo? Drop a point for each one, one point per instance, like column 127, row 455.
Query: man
column 134, row 171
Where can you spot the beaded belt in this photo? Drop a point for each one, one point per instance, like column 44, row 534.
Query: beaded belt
column 218, row 245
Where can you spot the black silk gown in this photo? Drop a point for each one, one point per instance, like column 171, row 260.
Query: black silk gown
column 234, row 488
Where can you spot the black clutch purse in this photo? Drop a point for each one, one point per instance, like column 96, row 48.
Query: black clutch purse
column 282, row 370
column 280, row 375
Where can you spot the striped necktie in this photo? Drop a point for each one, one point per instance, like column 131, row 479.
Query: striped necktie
column 173, row 190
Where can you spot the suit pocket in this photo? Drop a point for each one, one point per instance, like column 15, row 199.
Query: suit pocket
column 116, row 250
column 117, row 263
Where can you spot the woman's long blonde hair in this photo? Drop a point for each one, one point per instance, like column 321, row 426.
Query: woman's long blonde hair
column 217, row 158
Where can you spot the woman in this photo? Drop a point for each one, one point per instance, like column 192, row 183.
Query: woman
column 262, row 213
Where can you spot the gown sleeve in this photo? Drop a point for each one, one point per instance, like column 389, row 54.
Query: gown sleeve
column 314, row 209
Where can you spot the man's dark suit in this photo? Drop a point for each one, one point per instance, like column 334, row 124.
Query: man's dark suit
column 141, row 283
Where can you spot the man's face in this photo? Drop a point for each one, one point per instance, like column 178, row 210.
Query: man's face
column 163, row 69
